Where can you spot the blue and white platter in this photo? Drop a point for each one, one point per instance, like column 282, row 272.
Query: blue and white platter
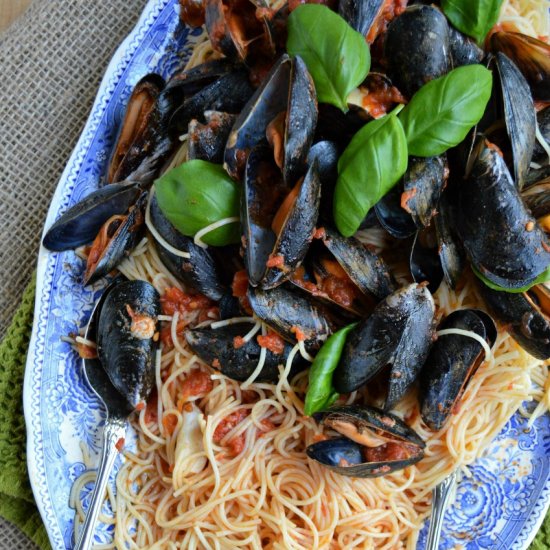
column 502, row 504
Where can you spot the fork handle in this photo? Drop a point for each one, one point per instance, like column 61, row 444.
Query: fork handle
column 440, row 500
column 114, row 430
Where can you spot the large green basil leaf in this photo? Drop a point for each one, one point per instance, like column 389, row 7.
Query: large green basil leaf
column 370, row 166
column 444, row 110
column 472, row 17
column 542, row 278
column 320, row 392
column 337, row 56
column 196, row 194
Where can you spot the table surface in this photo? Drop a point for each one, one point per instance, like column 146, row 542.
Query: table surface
column 10, row 10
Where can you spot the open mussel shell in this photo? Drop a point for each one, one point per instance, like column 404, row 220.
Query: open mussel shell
column 360, row 14
column 531, row 56
column 397, row 334
column 115, row 241
column 424, row 262
column 291, row 315
column 207, row 141
column 187, row 83
column 423, row 183
column 127, row 339
column 80, row 224
column 543, row 121
column 537, row 198
column 519, row 116
column 218, row 348
column 417, row 48
column 326, row 154
column 463, row 50
column 200, row 271
column 451, row 363
column 501, row 237
column 138, row 110
column 365, row 268
column 526, row 316
column 296, row 231
column 392, row 217
column 379, row 442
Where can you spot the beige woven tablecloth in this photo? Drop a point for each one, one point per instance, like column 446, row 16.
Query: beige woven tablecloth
column 51, row 62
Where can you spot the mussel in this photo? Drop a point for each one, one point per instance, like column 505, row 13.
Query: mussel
column 392, row 216
column 375, row 442
column 424, row 261
column 139, row 108
column 463, row 50
column 532, row 57
column 397, row 334
column 543, row 121
column 360, row 14
column 417, row 48
column 504, row 242
column 526, row 316
column 80, row 223
column 115, row 240
column 283, row 111
column 226, row 350
column 451, row 363
column 207, row 141
column 127, row 339
column 200, row 271
column 291, row 315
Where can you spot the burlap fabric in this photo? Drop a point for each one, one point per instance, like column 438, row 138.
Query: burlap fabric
column 51, row 62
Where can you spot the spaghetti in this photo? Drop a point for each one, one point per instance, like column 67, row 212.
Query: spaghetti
column 222, row 464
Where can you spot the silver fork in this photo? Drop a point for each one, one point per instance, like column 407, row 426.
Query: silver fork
column 440, row 500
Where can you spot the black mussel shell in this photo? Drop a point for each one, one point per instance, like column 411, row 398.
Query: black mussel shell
column 80, row 223
column 526, row 316
column 365, row 268
column 451, row 363
column 229, row 93
column 360, row 14
column 120, row 238
column 296, row 231
column 201, row 272
column 392, row 217
column 136, row 118
column 326, row 154
column 207, row 141
column 216, row 347
column 531, row 56
column 501, row 237
column 423, row 183
column 338, row 127
column 188, row 82
column 543, row 121
column 249, row 130
column 291, row 315
column 463, row 50
column 392, row 444
column 127, row 335
column 398, row 333
column 537, row 198
column 417, row 48
column 519, row 116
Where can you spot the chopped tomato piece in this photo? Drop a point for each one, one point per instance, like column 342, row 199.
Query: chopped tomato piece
column 169, row 421
column 240, row 283
column 228, row 423
column 196, row 383
column 277, row 260
column 174, row 299
column 272, row 341
column 300, row 336
column 236, row 444
column 238, row 342
column 119, row 445
column 387, row 452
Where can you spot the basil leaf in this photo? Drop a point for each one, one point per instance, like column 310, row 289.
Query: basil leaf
column 199, row 193
column 337, row 56
column 320, row 392
column 444, row 110
column 542, row 278
column 472, row 17
column 370, row 166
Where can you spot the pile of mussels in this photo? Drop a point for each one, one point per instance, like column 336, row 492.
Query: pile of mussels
column 255, row 110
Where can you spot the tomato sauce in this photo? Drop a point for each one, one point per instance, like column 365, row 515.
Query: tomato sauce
column 169, row 421
column 387, row 452
column 175, row 299
column 236, row 444
column 381, row 97
column 151, row 410
column 239, row 286
column 390, row 10
column 337, row 285
column 196, row 383
column 272, row 341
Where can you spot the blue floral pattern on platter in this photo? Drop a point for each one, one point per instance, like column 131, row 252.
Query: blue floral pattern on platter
column 499, row 507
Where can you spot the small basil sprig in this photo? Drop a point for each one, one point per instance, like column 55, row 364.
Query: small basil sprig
column 472, row 17
column 370, row 166
column 337, row 56
column 542, row 278
column 320, row 392
column 444, row 110
column 199, row 193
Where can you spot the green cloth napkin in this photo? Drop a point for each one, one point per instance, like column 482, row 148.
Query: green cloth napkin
column 16, row 500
